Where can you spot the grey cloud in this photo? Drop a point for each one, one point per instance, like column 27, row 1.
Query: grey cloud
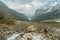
column 19, row 1
column 25, row 1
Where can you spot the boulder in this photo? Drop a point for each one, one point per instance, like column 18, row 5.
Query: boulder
column 31, row 28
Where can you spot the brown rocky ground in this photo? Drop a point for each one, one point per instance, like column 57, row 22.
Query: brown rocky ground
column 50, row 29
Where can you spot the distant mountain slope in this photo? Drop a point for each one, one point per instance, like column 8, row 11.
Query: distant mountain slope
column 52, row 12
column 13, row 13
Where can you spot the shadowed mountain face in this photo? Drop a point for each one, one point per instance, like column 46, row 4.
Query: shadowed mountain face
column 12, row 13
column 46, row 14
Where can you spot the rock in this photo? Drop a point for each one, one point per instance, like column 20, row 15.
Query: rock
column 45, row 31
column 21, row 34
column 2, row 38
column 31, row 28
column 29, row 38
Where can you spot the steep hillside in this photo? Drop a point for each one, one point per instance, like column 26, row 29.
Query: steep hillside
column 6, row 18
column 13, row 13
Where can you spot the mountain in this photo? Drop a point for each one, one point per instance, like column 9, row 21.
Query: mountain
column 13, row 13
column 52, row 20
column 47, row 12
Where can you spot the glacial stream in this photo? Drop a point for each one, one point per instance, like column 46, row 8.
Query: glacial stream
column 33, row 36
column 12, row 37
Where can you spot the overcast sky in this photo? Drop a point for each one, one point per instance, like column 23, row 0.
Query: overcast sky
column 27, row 7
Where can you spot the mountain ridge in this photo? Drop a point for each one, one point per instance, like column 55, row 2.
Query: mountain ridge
column 13, row 13
column 51, row 12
